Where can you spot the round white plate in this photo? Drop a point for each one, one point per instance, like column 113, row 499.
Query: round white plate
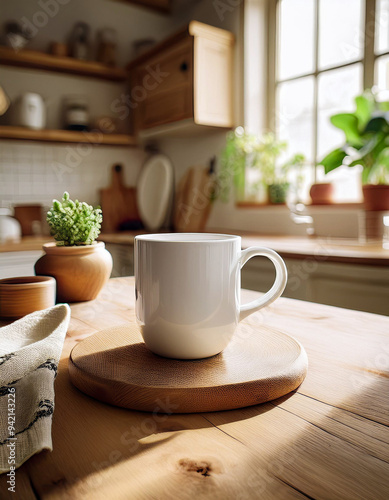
column 155, row 191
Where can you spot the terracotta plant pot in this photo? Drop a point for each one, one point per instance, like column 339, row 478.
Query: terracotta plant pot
column 376, row 197
column 321, row 194
column 80, row 271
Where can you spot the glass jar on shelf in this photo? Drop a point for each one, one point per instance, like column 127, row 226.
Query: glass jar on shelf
column 76, row 113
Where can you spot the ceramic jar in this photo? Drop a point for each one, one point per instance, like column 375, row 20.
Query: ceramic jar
column 80, row 271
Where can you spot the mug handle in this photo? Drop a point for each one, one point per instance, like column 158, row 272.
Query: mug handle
column 278, row 285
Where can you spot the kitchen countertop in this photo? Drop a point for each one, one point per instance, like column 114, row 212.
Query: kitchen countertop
column 328, row 439
column 296, row 247
column 349, row 251
column 26, row 244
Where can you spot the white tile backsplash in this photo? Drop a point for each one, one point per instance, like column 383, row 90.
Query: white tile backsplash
column 37, row 173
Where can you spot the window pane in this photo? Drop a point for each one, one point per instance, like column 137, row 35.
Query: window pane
column 346, row 181
column 382, row 26
column 336, row 91
column 295, row 38
column 382, row 77
column 340, row 32
column 295, row 115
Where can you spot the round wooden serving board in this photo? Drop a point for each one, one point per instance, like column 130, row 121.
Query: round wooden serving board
column 259, row 364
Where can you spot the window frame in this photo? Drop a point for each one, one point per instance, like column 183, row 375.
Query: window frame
column 368, row 61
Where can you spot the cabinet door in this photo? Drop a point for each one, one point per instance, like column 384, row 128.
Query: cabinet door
column 213, row 82
column 166, row 107
column 167, row 83
column 123, row 259
column 352, row 286
column 22, row 263
column 168, row 70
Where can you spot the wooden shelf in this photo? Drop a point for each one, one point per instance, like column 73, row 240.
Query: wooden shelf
column 39, row 60
column 164, row 6
column 66, row 136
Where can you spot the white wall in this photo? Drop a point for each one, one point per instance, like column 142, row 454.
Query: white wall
column 37, row 172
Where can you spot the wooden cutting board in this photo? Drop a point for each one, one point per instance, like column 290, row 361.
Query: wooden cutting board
column 193, row 200
column 26, row 215
column 118, row 202
column 259, row 364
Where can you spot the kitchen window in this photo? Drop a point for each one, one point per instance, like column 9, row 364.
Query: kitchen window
column 321, row 54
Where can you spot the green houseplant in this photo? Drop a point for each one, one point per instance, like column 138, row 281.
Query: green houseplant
column 74, row 222
column 80, row 265
column 245, row 151
column 366, row 133
column 274, row 176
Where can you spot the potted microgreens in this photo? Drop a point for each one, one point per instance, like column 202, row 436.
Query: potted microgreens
column 80, row 265
column 366, row 144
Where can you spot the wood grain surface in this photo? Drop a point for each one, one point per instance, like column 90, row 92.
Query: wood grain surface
column 329, row 440
column 115, row 366
column 197, row 86
column 65, row 136
column 118, row 202
column 342, row 250
column 26, row 215
column 41, row 60
column 80, row 271
column 24, row 295
column 192, row 204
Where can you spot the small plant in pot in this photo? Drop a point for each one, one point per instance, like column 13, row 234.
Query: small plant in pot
column 238, row 155
column 278, row 182
column 80, row 265
column 260, row 154
column 367, row 144
column 273, row 174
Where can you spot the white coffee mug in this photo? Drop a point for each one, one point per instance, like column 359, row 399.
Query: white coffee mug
column 187, row 288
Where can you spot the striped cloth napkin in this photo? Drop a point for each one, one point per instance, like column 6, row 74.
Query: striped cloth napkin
column 30, row 349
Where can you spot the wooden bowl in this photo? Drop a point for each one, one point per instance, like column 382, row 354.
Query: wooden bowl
column 24, row 295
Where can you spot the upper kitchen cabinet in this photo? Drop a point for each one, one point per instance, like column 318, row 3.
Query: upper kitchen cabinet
column 185, row 83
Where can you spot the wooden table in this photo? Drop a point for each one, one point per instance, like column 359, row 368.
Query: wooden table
column 329, row 440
